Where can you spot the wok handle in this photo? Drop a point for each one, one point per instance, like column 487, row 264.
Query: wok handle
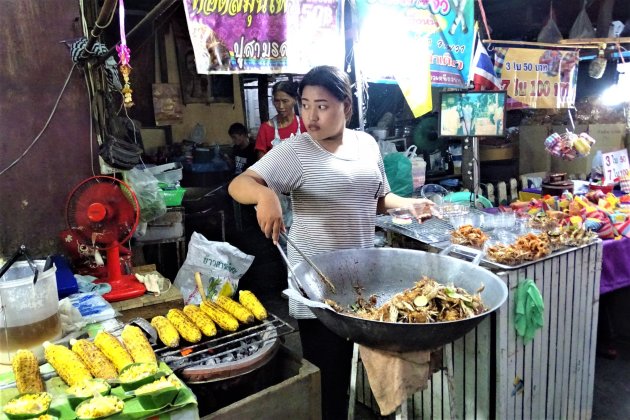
column 464, row 249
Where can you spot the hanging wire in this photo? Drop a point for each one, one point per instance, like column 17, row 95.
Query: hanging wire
column 52, row 113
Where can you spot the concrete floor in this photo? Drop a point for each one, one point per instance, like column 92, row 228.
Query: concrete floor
column 267, row 278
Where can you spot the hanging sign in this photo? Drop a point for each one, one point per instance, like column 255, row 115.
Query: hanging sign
column 537, row 78
column 393, row 31
column 615, row 165
column 265, row 36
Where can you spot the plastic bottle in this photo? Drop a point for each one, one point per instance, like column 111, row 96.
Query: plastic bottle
column 418, row 171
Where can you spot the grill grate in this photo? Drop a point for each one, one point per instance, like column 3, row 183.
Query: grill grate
column 430, row 231
column 226, row 348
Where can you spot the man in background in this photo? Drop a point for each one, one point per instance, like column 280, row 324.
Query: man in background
column 243, row 150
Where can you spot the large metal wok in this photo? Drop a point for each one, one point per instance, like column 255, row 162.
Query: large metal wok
column 385, row 272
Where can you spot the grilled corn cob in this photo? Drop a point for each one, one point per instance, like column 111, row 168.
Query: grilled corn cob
column 67, row 364
column 137, row 345
column 97, row 363
column 237, row 310
column 251, row 302
column 184, row 326
column 166, row 331
column 26, row 372
column 220, row 316
column 113, row 349
column 201, row 320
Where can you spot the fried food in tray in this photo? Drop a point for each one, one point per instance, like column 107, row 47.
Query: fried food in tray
column 469, row 236
column 426, row 302
column 527, row 247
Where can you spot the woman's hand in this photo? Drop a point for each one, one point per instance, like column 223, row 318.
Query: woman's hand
column 421, row 208
column 269, row 215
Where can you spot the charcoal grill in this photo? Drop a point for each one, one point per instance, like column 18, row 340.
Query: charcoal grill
column 229, row 355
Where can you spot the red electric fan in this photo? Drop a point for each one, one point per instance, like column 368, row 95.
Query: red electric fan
column 104, row 211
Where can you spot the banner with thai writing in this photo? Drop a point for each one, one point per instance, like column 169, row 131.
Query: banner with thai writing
column 265, row 36
column 537, row 78
column 390, row 31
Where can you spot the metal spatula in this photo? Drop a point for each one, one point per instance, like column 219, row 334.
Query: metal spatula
column 310, row 262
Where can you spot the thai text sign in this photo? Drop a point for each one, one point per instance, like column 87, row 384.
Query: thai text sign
column 391, row 31
column 615, row 165
column 265, row 36
column 539, row 78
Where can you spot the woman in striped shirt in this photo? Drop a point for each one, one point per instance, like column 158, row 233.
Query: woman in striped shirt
column 337, row 183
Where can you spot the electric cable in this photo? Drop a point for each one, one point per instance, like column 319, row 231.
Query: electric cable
column 52, row 113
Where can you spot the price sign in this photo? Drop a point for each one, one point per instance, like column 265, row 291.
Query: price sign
column 615, row 165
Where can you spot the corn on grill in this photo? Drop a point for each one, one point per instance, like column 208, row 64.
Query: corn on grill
column 226, row 355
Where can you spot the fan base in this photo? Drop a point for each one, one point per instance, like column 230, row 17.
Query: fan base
column 127, row 287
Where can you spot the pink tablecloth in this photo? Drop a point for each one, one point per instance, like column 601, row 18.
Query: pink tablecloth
column 615, row 265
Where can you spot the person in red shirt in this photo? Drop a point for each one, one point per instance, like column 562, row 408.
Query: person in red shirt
column 285, row 124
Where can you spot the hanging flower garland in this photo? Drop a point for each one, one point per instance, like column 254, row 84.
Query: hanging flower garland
column 124, row 56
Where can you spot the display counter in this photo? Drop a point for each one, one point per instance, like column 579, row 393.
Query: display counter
column 491, row 373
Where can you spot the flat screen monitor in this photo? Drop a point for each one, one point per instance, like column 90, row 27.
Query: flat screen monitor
column 472, row 113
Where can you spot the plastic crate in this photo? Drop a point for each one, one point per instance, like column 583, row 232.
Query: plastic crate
column 174, row 197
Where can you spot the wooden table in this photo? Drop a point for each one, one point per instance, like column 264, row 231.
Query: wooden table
column 147, row 306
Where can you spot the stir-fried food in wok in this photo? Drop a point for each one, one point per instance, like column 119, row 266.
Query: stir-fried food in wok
column 427, row 301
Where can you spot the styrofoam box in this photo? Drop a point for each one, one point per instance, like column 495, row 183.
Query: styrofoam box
column 161, row 233
column 169, row 173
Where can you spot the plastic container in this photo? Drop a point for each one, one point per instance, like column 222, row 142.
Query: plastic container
column 173, row 197
column 31, row 311
column 401, row 216
column 418, row 172
column 473, row 219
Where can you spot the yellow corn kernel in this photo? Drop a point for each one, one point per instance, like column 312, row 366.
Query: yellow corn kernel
column 184, row 326
column 220, row 316
column 113, row 349
column 237, row 310
column 251, row 302
column 97, row 363
column 166, row 331
column 26, row 372
column 137, row 345
column 201, row 320
column 68, row 365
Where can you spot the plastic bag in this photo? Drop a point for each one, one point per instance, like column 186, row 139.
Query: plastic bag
column 582, row 27
column 398, row 172
column 220, row 264
column 386, row 147
column 550, row 32
column 147, row 189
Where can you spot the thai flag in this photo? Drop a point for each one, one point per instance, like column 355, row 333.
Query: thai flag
column 483, row 76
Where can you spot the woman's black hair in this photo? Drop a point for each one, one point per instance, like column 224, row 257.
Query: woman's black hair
column 333, row 79
column 290, row 88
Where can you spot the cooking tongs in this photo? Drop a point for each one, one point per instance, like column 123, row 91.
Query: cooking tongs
column 21, row 252
column 309, row 261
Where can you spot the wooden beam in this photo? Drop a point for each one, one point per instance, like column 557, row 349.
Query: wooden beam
column 624, row 40
column 540, row 44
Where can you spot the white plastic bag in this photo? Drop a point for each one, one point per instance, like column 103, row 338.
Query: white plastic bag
column 220, row 264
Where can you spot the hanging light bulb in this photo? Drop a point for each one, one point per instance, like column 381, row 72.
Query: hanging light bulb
column 598, row 65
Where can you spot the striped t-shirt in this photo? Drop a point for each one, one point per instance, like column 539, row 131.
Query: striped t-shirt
column 334, row 199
